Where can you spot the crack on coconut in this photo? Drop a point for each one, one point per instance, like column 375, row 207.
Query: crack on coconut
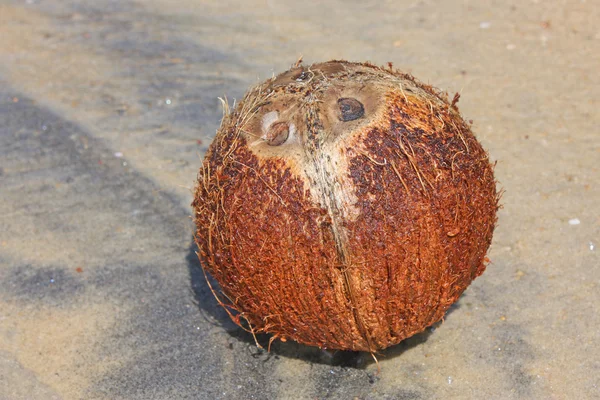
column 331, row 196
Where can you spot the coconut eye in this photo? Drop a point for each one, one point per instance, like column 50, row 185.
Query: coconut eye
column 302, row 77
column 350, row 109
column 277, row 133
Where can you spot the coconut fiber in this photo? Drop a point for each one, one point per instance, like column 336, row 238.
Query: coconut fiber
column 343, row 205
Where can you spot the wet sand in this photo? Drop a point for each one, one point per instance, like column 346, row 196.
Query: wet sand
column 106, row 110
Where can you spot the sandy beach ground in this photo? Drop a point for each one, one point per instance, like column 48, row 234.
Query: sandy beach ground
column 106, row 110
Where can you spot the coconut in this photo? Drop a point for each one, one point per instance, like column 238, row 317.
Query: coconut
column 343, row 205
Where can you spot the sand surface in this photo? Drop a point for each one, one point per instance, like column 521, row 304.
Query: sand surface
column 106, row 109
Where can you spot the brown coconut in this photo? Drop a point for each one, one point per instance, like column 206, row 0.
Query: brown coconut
column 344, row 206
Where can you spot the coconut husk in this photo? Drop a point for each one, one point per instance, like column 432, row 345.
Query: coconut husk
column 343, row 205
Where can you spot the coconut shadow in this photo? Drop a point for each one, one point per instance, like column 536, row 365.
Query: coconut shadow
column 216, row 315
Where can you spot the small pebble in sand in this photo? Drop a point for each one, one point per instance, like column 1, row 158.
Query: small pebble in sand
column 574, row 221
column 592, row 247
column 118, row 154
column 485, row 25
